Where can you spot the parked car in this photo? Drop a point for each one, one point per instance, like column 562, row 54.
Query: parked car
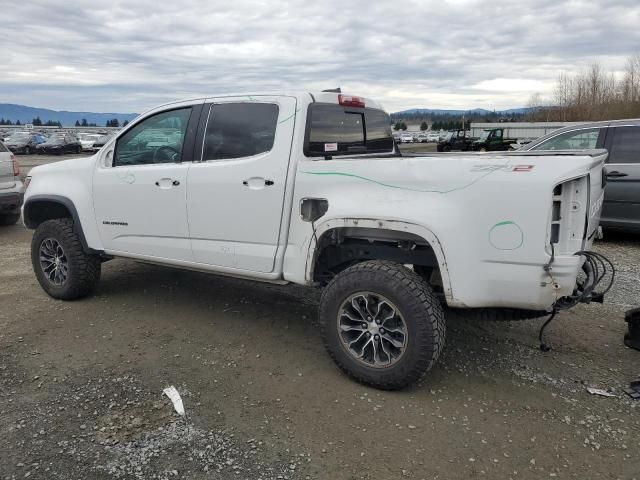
column 621, row 138
column 454, row 140
column 422, row 138
column 87, row 140
column 11, row 187
column 24, row 142
column 433, row 137
column 311, row 190
column 406, row 138
column 60, row 143
column 101, row 141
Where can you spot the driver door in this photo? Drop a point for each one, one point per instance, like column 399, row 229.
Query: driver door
column 139, row 187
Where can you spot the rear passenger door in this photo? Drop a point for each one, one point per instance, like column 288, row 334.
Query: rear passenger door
column 621, row 207
column 236, row 190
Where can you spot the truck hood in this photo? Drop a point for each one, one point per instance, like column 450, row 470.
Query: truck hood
column 70, row 165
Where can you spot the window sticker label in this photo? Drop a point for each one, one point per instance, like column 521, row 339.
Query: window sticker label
column 330, row 147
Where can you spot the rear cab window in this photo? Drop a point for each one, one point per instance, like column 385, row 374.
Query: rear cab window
column 334, row 130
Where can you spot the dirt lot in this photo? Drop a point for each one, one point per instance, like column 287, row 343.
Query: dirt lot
column 81, row 386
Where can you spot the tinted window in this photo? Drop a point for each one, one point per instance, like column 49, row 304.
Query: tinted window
column 625, row 147
column 576, row 140
column 237, row 130
column 335, row 130
column 157, row 139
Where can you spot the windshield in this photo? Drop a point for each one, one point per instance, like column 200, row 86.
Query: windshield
column 484, row 135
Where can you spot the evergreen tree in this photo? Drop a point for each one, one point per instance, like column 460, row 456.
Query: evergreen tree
column 77, row 123
column 424, row 126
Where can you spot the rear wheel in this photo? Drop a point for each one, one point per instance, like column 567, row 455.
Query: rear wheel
column 27, row 150
column 9, row 219
column 63, row 269
column 382, row 324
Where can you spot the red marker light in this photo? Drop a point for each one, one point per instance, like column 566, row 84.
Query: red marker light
column 16, row 167
column 350, row 101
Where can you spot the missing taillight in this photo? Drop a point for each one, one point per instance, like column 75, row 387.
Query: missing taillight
column 555, row 214
column 558, row 190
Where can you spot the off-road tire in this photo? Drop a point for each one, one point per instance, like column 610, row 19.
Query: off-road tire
column 83, row 268
column 9, row 219
column 415, row 301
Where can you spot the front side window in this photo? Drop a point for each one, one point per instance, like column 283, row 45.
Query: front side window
column 237, row 130
column 157, row 139
column 336, row 130
column 625, row 147
column 576, row 140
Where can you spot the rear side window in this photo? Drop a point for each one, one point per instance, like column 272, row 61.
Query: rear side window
column 336, row 130
column 625, row 147
column 237, row 130
column 576, row 140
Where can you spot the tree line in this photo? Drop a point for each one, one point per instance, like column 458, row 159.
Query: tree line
column 37, row 122
column 591, row 94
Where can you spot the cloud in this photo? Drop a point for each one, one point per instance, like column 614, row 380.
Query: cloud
column 128, row 56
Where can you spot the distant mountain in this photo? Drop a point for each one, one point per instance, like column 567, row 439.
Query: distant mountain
column 475, row 111
column 10, row 111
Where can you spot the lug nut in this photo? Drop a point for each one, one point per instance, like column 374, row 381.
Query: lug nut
column 364, row 325
column 378, row 321
column 368, row 334
column 382, row 331
column 377, row 337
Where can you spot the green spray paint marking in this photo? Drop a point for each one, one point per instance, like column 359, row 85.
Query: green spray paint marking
column 399, row 187
column 503, row 224
column 290, row 116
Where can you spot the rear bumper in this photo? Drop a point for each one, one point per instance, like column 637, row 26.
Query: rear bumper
column 11, row 202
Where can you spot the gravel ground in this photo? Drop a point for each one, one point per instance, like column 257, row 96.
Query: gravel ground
column 81, row 386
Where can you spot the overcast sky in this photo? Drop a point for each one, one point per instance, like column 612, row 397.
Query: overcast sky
column 112, row 56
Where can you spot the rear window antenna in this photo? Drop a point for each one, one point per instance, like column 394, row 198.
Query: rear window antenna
column 333, row 90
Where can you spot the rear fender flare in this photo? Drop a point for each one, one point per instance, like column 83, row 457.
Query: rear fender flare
column 382, row 224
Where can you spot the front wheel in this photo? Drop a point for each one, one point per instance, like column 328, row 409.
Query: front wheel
column 382, row 324
column 27, row 150
column 63, row 269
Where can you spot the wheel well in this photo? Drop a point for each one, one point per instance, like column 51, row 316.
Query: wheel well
column 339, row 248
column 38, row 211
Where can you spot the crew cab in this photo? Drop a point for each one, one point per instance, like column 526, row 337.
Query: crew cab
column 310, row 189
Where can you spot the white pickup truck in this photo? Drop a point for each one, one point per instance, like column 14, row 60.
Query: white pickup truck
column 310, row 189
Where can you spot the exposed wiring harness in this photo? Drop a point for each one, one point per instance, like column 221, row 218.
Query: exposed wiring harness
column 596, row 266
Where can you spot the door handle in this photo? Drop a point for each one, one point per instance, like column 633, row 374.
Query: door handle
column 257, row 183
column 167, row 183
column 616, row 174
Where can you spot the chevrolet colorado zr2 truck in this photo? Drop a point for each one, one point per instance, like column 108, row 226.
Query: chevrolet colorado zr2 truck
column 310, row 189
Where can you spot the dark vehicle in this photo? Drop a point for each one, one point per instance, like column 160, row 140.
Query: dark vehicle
column 621, row 208
column 24, row 142
column 492, row 140
column 60, row 143
column 101, row 142
column 455, row 140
